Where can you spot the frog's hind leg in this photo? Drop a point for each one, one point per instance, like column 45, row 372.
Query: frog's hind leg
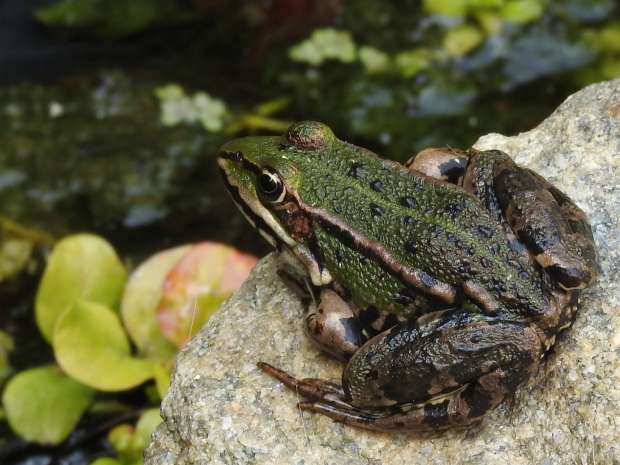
column 434, row 373
column 553, row 227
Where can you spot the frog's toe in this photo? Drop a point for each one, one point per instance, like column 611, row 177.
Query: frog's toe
column 310, row 388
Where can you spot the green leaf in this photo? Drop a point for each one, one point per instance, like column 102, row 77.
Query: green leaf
column 6, row 347
column 177, row 107
column 522, row 11
column 111, row 18
column 461, row 40
column 91, row 346
column 106, row 461
column 373, row 59
column 83, row 266
column 411, row 62
column 148, row 421
column 162, row 379
column 325, row 44
column 446, row 7
column 141, row 298
column 15, row 254
column 43, row 405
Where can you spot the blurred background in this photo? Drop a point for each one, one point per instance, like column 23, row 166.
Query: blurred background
column 112, row 111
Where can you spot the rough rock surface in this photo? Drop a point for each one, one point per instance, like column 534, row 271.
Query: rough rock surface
column 222, row 410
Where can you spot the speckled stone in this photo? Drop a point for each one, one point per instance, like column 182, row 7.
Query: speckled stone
column 222, row 410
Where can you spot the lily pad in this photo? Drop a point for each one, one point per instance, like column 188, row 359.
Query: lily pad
column 461, row 40
column 82, row 266
column 91, row 346
column 43, row 405
column 141, row 298
column 194, row 289
column 106, row 461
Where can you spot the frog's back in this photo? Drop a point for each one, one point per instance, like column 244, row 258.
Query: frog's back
column 382, row 222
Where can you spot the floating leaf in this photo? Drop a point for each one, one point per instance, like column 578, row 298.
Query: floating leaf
column 83, row 266
column 130, row 442
column 325, row 44
column 106, row 461
column 43, row 405
column 522, row 11
column 6, row 347
column 15, row 254
column 141, row 298
column 373, row 59
column 177, row 107
column 147, row 423
column 197, row 285
column 446, row 7
column 461, row 40
column 121, row 438
column 91, row 346
column 411, row 62
column 162, row 379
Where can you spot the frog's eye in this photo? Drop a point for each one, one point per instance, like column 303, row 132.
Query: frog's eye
column 270, row 186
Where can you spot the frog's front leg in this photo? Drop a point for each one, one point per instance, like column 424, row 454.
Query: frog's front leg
column 430, row 374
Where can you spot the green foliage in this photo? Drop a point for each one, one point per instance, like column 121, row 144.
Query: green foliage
column 373, row 59
column 446, row 7
column 522, row 11
column 44, row 405
column 461, row 40
column 111, row 18
column 325, row 44
column 106, row 461
column 178, row 107
column 129, row 442
column 6, row 347
column 83, row 266
column 411, row 62
column 91, row 346
column 15, row 254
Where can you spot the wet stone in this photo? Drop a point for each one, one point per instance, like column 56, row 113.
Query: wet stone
column 221, row 410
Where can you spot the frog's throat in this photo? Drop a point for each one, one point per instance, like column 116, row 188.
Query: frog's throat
column 273, row 232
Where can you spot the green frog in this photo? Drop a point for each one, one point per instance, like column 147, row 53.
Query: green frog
column 440, row 282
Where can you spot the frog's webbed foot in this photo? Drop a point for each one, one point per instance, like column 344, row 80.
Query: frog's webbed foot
column 431, row 374
column 315, row 389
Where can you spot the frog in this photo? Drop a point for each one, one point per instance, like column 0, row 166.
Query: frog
column 440, row 283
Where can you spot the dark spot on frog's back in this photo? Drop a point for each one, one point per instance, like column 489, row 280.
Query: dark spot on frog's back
column 408, row 220
column 484, row 231
column 356, row 170
column 376, row 185
column 409, row 202
column 376, row 210
column 411, row 247
column 455, row 209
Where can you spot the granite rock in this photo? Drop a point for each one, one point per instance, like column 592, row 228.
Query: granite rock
column 222, row 410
